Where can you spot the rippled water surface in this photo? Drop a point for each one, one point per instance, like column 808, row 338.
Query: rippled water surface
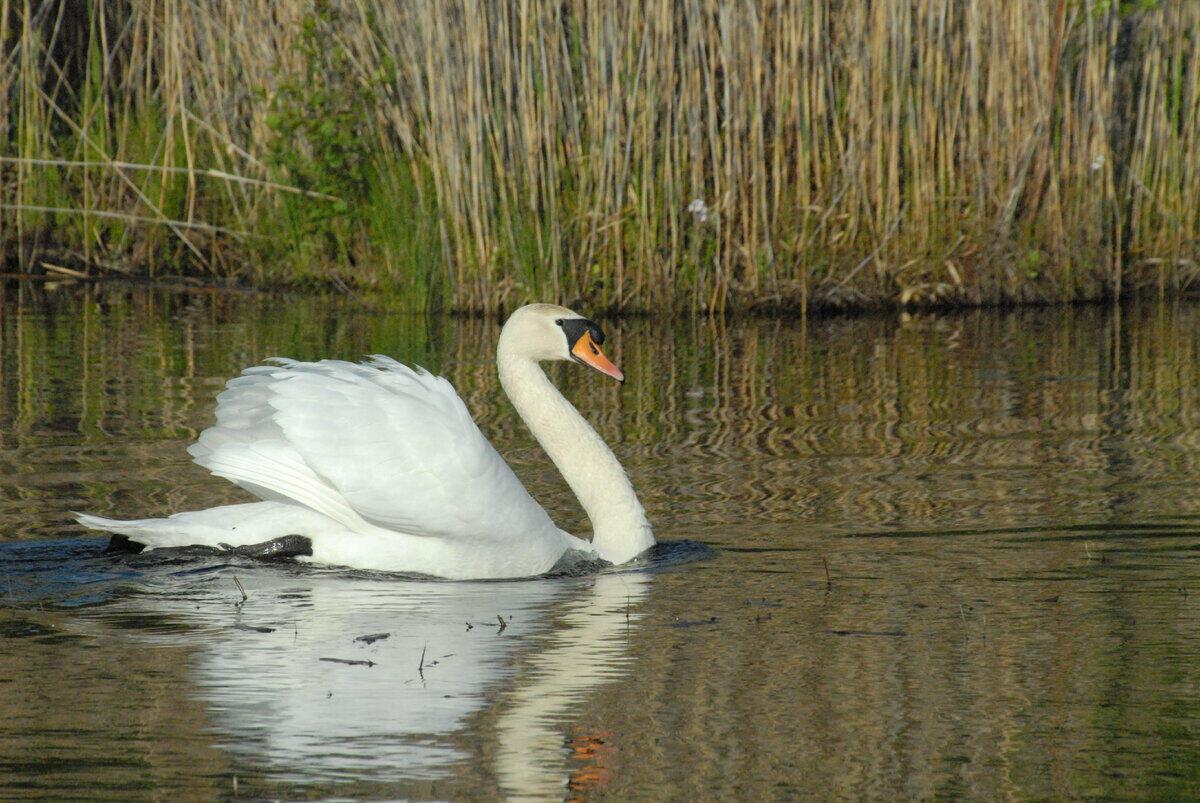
column 930, row 556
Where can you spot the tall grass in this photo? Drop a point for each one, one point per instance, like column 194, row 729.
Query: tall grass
column 635, row 155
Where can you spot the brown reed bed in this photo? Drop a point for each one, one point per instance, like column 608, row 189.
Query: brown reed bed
column 634, row 155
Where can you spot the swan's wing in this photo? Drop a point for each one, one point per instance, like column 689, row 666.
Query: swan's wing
column 378, row 443
column 247, row 447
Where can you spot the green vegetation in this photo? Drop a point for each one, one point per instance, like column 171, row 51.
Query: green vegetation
column 672, row 154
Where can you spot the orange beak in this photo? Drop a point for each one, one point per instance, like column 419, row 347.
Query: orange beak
column 588, row 353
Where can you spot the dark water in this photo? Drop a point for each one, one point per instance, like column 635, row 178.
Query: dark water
column 931, row 556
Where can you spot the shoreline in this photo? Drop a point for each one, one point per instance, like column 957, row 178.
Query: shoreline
column 382, row 300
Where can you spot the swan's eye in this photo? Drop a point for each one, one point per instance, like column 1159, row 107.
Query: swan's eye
column 559, row 321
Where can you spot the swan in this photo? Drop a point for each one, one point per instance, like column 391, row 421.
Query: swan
column 380, row 466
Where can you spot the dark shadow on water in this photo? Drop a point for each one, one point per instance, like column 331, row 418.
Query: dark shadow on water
column 1058, row 532
column 79, row 572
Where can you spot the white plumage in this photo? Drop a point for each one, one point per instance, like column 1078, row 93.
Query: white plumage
column 382, row 467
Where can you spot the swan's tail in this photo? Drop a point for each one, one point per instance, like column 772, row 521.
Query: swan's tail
column 231, row 525
column 130, row 528
column 137, row 534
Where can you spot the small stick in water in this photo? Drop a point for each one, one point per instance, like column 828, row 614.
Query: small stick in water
column 828, row 579
column 503, row 624
column 421, row 665
column 241, row 588
column 254, row 629
column 347, row 661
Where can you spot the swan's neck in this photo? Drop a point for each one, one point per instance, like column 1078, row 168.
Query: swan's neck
column 619, row 526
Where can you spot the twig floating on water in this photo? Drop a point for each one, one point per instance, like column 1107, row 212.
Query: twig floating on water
column 241, row 588
column 828, row 579
column 252, row 628
column 868, row 633
column 503, row 624
column 681, row 623
column 421, row 665
column 347, row 661
column 470, row 626
column 371, row 638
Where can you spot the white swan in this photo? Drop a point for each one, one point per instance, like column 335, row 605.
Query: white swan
column 381, row 467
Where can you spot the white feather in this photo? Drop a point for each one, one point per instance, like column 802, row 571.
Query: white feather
column 382, row 467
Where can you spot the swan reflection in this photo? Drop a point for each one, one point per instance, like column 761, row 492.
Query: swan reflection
column 446, row 667
column 587, row 648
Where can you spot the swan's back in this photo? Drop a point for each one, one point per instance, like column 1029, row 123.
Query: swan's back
column 376, row 445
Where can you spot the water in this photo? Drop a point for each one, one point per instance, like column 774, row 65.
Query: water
column 948, row 555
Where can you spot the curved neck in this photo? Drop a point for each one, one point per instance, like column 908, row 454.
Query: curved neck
column 619, row 526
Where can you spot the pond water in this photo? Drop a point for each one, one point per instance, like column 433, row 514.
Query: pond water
column 937, row 555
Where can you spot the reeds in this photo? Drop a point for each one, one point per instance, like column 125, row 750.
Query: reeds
column 634, row 155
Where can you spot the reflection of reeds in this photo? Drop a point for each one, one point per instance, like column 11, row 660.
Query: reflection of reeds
column 94, row 691
column 641, row 155
column 939, row 423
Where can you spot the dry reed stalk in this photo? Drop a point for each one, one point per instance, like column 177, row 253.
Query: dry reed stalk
column 916, row 151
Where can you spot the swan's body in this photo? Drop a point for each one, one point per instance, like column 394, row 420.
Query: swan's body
column 381, row 466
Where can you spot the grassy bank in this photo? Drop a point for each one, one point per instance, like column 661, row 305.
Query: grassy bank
column 674, row 153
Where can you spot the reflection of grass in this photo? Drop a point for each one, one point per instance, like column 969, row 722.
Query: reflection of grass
column 145, row 368
column 911, row 152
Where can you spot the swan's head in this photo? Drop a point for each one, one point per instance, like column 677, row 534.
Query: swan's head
column 550, row 332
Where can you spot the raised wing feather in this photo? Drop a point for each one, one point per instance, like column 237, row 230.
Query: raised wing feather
column 373, row 444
